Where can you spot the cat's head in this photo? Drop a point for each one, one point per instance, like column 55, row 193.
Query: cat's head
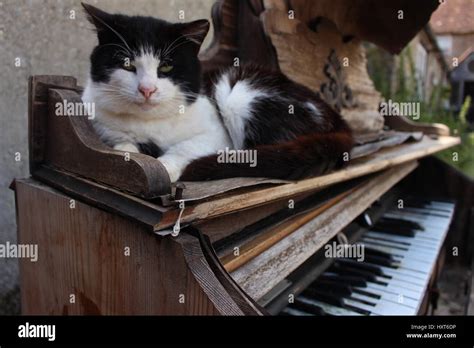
column 144, row 65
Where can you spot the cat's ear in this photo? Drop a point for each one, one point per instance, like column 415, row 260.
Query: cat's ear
column 100, row 19
column 195, row 31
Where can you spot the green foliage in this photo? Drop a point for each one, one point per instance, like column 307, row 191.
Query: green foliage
column 432, row 110
column 460, row 156
column 465, row 108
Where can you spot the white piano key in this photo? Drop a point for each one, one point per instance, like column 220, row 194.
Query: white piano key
column 407, row 275
column 382, row 306
column 401, row 283
column 412, row 240
column 430, row 222
column 408, row 259
column 388, row 308
column 395, row 246
column 426, row 212
column 448, row 206
column 393, row 297
column 411, row 258
column 393, row 289
column 422, row 255
column 358, row 305
column 406, row 214
column 429, row 232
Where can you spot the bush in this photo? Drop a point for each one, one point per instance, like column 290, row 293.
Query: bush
column 433, row 110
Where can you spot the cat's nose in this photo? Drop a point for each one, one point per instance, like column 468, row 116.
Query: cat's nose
column 147, row 91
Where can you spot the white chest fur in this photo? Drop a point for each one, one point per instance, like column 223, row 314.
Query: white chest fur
column 183, row 132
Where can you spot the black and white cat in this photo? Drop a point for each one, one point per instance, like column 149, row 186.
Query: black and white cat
column 148, row 89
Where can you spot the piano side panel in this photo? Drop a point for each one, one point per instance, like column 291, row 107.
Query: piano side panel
column 82, row 253
column 245, row 302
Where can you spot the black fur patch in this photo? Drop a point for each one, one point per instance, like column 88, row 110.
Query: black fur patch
column 150, row 149
column 122, row 37
column 285, row 115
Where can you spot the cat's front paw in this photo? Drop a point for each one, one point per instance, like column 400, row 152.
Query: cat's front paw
column 126, row 147
column 174, row 171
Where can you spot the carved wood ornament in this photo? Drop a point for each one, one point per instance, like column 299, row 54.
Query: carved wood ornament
column 336, row 92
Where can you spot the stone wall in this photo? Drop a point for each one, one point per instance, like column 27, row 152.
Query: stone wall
column 45, row 37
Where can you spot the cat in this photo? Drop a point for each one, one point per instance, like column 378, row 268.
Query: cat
column 151, row 96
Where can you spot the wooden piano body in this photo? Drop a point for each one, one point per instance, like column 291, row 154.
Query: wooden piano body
column 115, row 237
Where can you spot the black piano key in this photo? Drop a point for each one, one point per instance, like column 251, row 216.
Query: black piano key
column 378, row 253
column 367, row 293
column 307, row 307
column 362, row 265
column 332, row 287
column 349, row 280
column 317, row 294
column 428, row 207
column 366, row 302
column 387, row 240
column 332, row 300
column 381, row 261
column 417, row 200
column 400, row 223
column 387, row 244
column 367, row 276
column 429, row 212
column 337, row 289
column 406, row 232
column 357, row 310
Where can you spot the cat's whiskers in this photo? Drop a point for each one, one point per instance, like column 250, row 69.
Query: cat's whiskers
column 170, row 49
column 123, row 50
column 168, row 46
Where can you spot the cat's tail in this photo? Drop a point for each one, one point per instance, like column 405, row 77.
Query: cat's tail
column 308, row 155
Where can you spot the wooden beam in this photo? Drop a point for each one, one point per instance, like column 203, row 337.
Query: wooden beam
column 386, row 158
column 263, row 272
column 271, row 236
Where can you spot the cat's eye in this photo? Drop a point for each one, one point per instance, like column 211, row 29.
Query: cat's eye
column 127, row 65
column 165, row 68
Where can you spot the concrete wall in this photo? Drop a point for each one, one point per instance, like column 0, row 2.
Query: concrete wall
column 46, row 40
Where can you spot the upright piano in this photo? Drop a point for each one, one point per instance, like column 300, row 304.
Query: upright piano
column 116, row 237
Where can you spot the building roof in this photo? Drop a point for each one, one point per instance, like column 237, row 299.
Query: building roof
column 453, row 17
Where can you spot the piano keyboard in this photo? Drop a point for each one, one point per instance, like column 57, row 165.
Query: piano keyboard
column 401, row 250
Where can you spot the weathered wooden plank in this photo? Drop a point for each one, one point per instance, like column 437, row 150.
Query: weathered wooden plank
column 367, row 144
column 381, row 160
column 273, row 235
column 263, row 272
column 224, row 226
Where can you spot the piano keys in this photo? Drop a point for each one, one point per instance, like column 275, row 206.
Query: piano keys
column 400, row 253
